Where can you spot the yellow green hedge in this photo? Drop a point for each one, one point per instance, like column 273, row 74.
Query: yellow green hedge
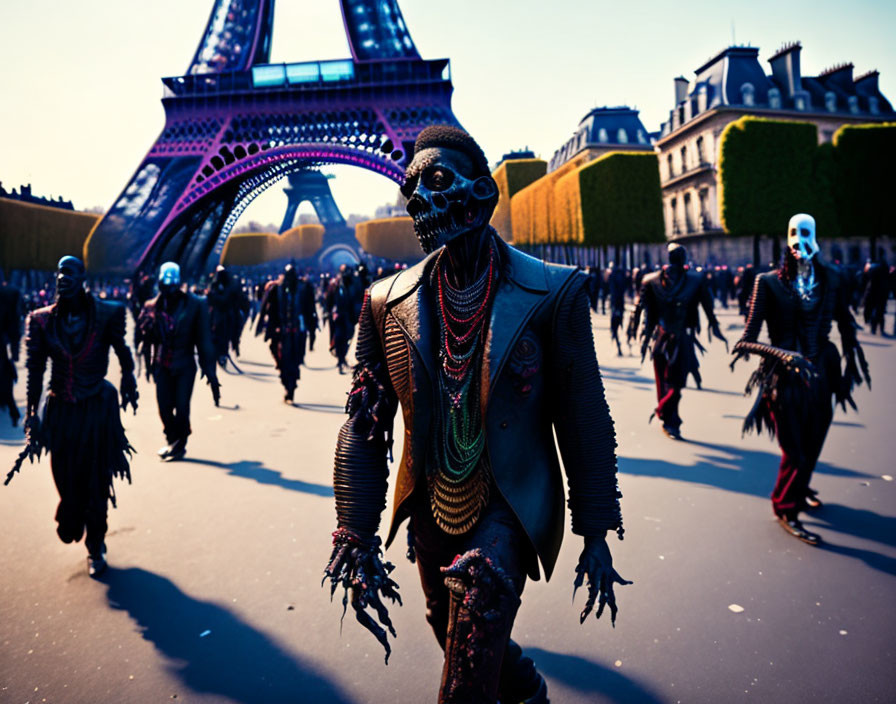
column 766, row 174
column 865, row 192
column 512, row 176
column 390, row 238
column 618, row 200
column 38, row 236
column 252, row 248
column 614, row 199
column 532, row 209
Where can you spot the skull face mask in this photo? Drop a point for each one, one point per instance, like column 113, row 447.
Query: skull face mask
column 801, row 237
column 446, row 202
column 169, row 278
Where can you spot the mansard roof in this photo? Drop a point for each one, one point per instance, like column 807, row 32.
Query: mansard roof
column 616, row 127
column 735, row 78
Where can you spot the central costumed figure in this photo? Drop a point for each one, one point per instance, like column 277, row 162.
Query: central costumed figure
column 489, row 352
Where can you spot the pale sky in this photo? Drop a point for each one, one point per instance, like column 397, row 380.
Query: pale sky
column 80, row 91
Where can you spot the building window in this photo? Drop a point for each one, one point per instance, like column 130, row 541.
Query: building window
column 642, row 138
column 830, row 101
column 874, row 105
column 748, row 94
column 705, row 222
column 688, row 212
column 854, row 104
column 673, row 209
column 622, row 136
column 602, row 136
column 774, row 98
column 701, row 154
column 684, row 159
column 671, row 170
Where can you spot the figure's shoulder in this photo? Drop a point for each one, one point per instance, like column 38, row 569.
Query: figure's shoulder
column 536, row 274
column 40, row 316
column 652, row 278
column 768, row 277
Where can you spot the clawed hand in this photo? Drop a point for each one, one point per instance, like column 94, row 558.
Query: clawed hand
column 129, row 394
column 596, row 564
column 356, row 565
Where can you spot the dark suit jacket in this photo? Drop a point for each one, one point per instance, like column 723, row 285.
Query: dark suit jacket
column 539, row 372
column 174, row 351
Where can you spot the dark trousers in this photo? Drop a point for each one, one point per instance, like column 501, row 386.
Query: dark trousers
column 468, row 675
column 83, row 502
column 668, row 394
column 86, row 444
column 801, row 437
column 173, row 392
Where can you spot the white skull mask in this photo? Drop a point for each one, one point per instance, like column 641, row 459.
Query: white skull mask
column 801, row 237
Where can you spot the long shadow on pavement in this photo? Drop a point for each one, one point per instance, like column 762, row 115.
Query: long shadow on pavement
column 590, row 679
column 753, row 472
column 232, row 660
column 256, row 471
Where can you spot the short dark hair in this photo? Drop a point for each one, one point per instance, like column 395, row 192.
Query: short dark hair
column 446, row 137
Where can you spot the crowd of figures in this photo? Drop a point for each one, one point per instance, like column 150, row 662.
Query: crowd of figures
column 487, row 352
column 179, row 328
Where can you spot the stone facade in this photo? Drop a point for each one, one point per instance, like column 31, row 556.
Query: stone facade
column 729, row 86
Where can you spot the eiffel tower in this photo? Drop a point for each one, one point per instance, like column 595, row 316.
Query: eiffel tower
column 236, row 123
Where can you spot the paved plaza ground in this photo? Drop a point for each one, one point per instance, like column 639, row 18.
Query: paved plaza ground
column 213, row 592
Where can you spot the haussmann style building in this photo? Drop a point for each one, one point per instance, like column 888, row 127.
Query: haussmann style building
column 729, row 86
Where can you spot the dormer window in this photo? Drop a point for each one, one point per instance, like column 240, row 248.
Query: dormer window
column 830, row 101
column 622, row 136
column 854, row 104
column 799, row 102
column 874, row 105
column 774, row 98
column 642, row 138
column 748, row 94
column 602, row 135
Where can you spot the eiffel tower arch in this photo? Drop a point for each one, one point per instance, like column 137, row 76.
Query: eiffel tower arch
column 236, row 123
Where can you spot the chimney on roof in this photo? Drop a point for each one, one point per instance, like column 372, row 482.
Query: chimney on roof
column 867, row 83
column 786, row 68
column 839, row 76
column 681, row 89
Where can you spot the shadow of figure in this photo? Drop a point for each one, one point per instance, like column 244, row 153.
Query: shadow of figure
column 590, row 679
column 753, row 472
column 321, row 407
column 256, row 471
column 234, row 660
column 11, row 434
column 625, row 375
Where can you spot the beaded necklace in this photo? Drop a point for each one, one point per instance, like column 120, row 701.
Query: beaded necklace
column 459, row 489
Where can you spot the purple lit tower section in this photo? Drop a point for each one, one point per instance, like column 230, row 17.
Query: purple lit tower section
column 235, row 124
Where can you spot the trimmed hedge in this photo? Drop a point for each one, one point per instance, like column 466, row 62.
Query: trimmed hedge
column 619, row 200
column 512, row 176
column 532, row 209
column 38, row 236
column 252, row 248
column 865, row 155
column 766, row 174
column 615, row 199
column 390, row 238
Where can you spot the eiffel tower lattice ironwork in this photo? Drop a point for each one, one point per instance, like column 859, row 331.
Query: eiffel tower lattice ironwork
column 235, row 124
